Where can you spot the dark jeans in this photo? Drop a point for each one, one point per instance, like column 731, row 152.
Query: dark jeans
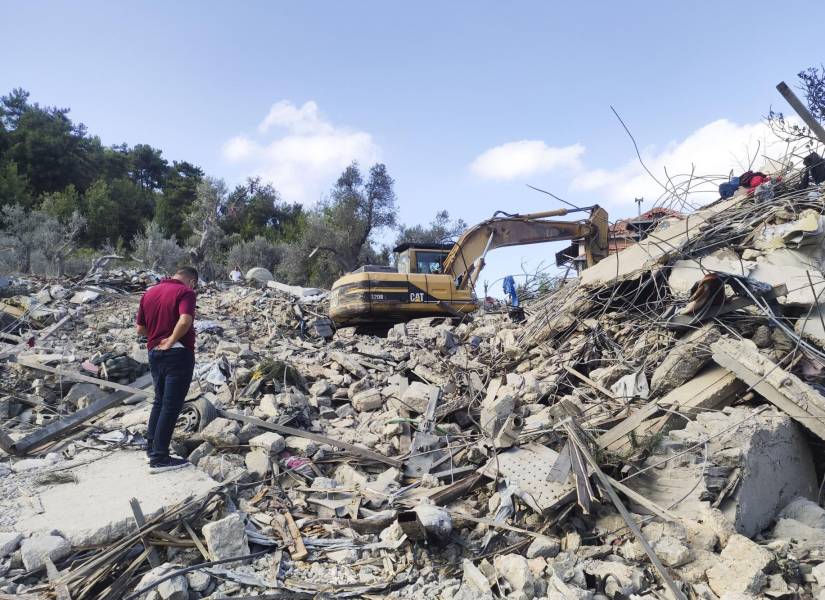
column 172, row 374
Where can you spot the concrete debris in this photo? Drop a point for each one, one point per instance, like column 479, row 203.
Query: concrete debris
column 437, row 458
column 741, row 568
column 226, row 538
column 35, row 550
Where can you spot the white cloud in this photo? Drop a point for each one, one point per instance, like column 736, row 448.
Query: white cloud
column 713, row 150
column 307, row 153
column 523, row 158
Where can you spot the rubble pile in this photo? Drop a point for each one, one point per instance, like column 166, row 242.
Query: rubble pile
column 650, row 428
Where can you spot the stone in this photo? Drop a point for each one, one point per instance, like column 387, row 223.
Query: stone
column 689, row 355
column 176, row 588
column 475, row 578
column 302, row 445
column 270, row 441
column 322, row 388
column 819, row 574
column 205, row 449
column 198, row 580
column 258, row 462
column 495, row 412
column 222, row 433
column 267, row 407
column 618, row 579
column 83, row 394
column 9, row 540
column 513, row 568
column 445, row 341
column 226, row 538
column 416, row 397
column 805, row 511
column 223, row 467
column 741, row 568
column 672, row 552
column 762, row 337
column 543, row 547
column 367, row 400
column 35, row 549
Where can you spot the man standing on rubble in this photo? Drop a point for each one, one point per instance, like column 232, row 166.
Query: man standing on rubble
column 166, row 316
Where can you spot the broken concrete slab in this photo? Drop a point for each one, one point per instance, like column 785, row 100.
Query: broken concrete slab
column 789, row 393
column 655, row 249
column 108, row 484
column 764, row 456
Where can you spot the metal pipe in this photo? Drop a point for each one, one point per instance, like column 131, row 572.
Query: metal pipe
column 801, row 110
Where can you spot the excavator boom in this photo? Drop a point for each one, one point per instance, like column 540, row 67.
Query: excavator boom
column 467, row 256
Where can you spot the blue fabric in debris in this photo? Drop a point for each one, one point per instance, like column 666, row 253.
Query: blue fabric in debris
column 728, row 189
column 509, row 286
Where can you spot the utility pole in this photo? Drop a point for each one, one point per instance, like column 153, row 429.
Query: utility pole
column 638, row 202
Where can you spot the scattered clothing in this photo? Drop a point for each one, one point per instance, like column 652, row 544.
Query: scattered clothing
column 509, row 286
column 749, row 179
column 814, row 170
column 728, row 189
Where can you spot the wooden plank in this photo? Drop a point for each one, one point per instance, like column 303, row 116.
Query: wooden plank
column 61, row 590
column 197, row 540
column 154, row 561
column 589, row 382
column 299, row 551
column 363, row 452
column 628, row 425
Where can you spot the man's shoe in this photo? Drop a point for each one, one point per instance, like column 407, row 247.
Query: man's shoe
column 169, row 463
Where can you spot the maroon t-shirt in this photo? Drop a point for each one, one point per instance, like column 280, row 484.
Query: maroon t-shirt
column 160, row 308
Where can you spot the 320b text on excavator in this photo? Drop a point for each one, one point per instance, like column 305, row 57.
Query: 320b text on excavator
column 439, row 279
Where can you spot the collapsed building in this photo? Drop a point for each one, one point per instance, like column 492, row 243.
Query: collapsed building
column 652, row 428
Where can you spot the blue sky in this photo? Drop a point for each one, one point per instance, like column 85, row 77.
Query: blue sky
column 466, row 102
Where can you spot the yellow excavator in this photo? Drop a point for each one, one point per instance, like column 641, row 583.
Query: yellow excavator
column 439, row 279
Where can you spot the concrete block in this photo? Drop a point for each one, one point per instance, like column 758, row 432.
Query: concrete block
column 270, row 441
column 35, row 549
column 226, row 538
column 416, row 396
column 222, row 433
column 513, row 568
column 258, row 462
column 367, row 400
column 741, row 568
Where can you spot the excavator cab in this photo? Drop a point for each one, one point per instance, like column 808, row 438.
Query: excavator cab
column 421, row 258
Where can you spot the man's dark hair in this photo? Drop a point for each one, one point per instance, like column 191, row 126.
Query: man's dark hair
column 190, row 272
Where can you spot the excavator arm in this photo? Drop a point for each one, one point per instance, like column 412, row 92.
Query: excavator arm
column 466, row 259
